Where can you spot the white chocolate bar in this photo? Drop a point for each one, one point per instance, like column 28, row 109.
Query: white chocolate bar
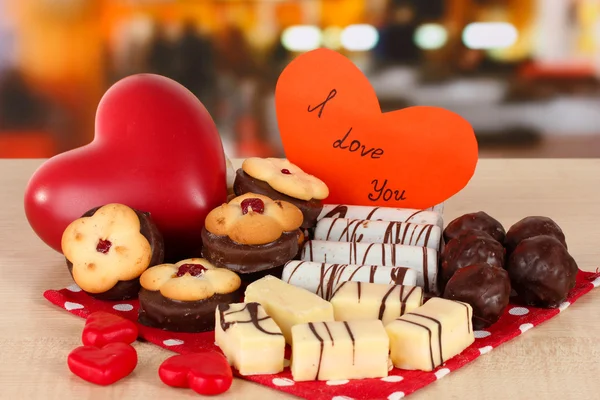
column 288, row 305
column 422, row 260
column 361, row 230
column 323, row 279
column 249, row 338
column 382, row 214
column 432, row 334
column 361, row 301
column 339, row 350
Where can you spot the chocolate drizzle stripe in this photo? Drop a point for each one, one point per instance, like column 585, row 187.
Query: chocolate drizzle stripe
column 329, row 333
column 383, row 301
column 358, row 286
column 364, row 261
column 468, row 315
column 397, row 275
column 425, row 270
column 398, row 226
column 339, row 210
column 294, row 270
column 428, row 234
column 405, row 232
column 429, row 331
column 370, row 215
column 439, row 325
column 354, row 272
column 388, row 236
column 413, row 215
column 252, row 309
column 421, row 233
column 373, row 270
column 402, row 301
column 335, row 220
column 412, row 234
column 341, row 270
column 353, row 342
column 338, row 289
column 314, row 331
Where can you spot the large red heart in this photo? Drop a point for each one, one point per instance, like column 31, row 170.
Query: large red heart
column 103, row 366
column 206, row 373
column 332, row 126
column 155, row 149
column 102, row 328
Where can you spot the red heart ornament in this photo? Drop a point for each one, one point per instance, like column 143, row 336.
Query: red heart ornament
column 155, row 149
column 331, row 125
column 207, row 373
column 105, row 365
column 102, row 328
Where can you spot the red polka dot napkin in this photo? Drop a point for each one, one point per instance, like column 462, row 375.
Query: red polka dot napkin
column 400, row 383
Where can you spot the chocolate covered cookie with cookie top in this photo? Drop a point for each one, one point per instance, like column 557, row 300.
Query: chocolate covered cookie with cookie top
column 183, row 297
column 109, row 247
column 279, row 179
column 252, row 235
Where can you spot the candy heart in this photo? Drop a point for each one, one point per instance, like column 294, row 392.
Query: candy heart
column 102, row 328
column 105, row 365
column 331, row 126
column 206, row 373
column 155, row 149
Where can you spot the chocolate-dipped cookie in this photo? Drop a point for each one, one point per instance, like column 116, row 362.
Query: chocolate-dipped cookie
column 474, row 247
column 478, row 221
column 183, row 297
column 281, row 180
column 252, row 234
column 485, row 288
column 530, row 227
column 542, row 271
column 109, row 247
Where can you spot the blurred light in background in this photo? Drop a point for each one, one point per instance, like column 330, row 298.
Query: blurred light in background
column 489, row 35
column 332, row 37
column 360, row 37
column 301, row 38
column 431, row 36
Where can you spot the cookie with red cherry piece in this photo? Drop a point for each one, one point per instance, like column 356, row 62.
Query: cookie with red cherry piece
column 252, row 233
column 279, row 179
column 109, row 247
column 183, row 297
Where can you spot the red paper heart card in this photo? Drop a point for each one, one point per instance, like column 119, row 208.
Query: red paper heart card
column 331, row 126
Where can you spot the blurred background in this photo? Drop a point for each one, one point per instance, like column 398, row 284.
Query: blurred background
column 523, row 72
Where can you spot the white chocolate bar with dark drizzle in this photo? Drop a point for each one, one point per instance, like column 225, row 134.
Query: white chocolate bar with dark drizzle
column 362, row 230
column 362, row 301
column 339, row 350
column 249, row 338
column 422, row 260
column 427, row 337
column 323, row 279
column 288, row 305
column 381, row 214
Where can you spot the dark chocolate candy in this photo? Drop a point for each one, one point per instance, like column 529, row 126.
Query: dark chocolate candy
column 530, row 227
column 246, row 259
column 158, row 311
column 478, row 221
column 485, row 288
column 542, row 271
column 244, row 183
column 124, row 290
column 471, row 248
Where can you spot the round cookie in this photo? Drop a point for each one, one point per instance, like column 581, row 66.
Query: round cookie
column 478, row 221
column 542, row 271
column 183, row 297
column 109, row 247
column 252, row 233
column 485, row 288
column 530, row 227
column 279, row 179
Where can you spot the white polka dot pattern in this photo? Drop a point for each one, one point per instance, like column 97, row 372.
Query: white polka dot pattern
column 74, row 288
column 172, row 342
column 392, row 378
column 596, row 282
column 485, row 350
column 337, row 383
column 563, row 306
column 396, row 396
column 518, row 311
column 341, row 398
column 525, row 327
column 123, row 307
column 439, row 374
column 283, row 382
column 481, row 334
column 72, row 306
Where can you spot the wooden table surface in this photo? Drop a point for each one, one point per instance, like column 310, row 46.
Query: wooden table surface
column 557, row 360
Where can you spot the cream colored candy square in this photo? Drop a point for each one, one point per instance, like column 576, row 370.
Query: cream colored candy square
column 360, row 301
column 430, row 335
column 339, row 350
column 288, row 305
column 249, row 338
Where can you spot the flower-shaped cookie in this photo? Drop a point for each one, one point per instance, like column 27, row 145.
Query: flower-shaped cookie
column 253, row 219
column 286, row 178
column 106, row 248
column 193, row 279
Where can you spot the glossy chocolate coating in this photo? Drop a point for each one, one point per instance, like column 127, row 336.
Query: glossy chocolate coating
column 532, row 226
column 478, row 221
column 244, row 183
column 542, row 271
column 158, row 311
column 485, row 288
column 124, row 290
column 245, row 259
column 471, row 248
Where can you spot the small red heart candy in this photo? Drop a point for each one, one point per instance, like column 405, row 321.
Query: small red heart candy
column 207, row 373
column 105, row 365
column 102, row 328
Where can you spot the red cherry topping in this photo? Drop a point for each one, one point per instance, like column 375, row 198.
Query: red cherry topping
column 286, row 171
column 253, row 203
column 192, row 269
column 103, row 246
